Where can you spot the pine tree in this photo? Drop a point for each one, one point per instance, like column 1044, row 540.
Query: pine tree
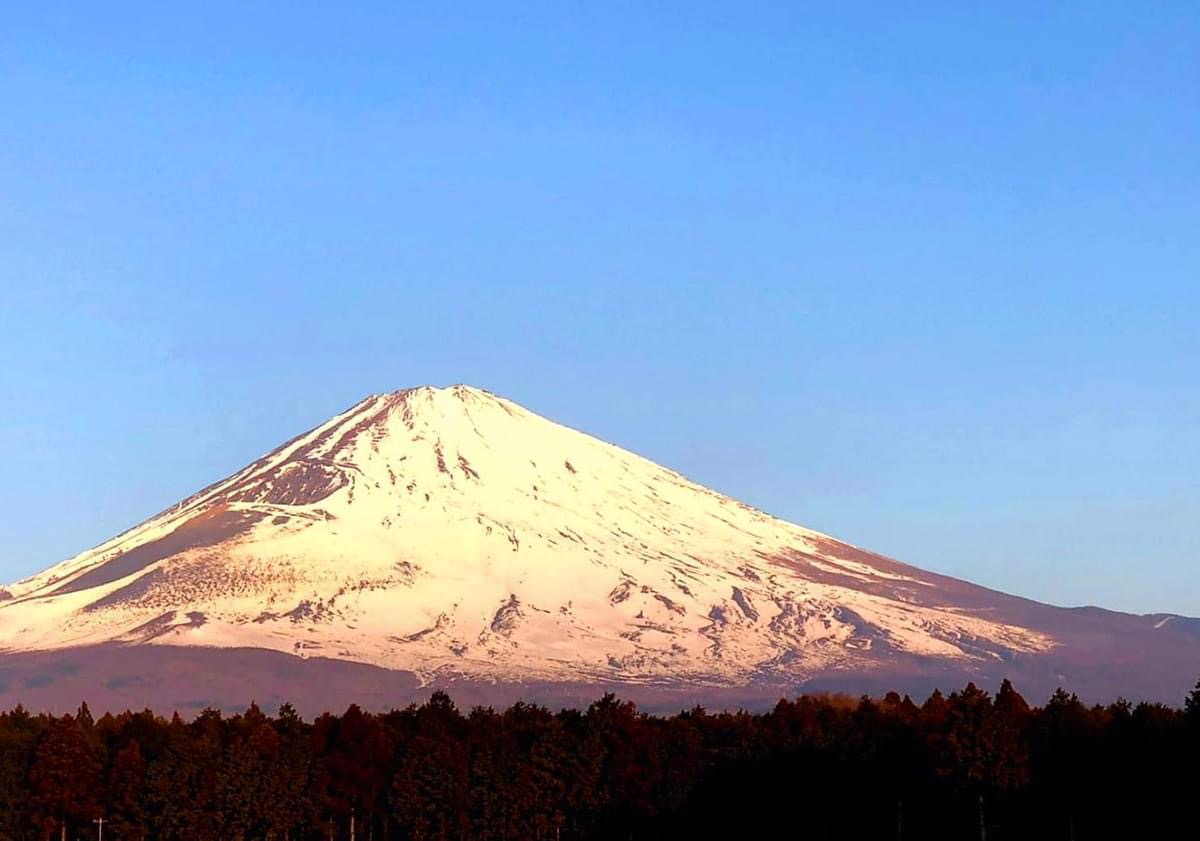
column 1191, row 705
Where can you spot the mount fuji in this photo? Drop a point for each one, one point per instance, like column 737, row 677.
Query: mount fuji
column 449, row 538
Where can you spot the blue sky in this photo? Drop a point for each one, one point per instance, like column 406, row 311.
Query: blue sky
column 923, row 277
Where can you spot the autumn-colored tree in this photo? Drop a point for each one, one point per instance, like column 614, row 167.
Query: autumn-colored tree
column 126, row 811
column 181, row 783
column 817, row 766
column 19, row 736
column 65, row 778
column 284, row 754
column 353, row 761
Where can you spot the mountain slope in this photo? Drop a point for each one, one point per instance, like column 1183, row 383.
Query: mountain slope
column 453, row 535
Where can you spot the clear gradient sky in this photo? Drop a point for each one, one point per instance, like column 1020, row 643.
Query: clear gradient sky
column 924, row 276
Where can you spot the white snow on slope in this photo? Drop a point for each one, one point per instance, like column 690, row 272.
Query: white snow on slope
column 452, row 532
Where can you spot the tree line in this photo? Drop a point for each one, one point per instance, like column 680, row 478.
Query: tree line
column 960, row 766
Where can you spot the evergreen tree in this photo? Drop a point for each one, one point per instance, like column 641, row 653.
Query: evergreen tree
column 65, row 778
column 126, row 783
column 953, row 768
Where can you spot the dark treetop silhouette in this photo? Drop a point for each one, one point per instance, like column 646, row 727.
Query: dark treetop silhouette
column 959, row 766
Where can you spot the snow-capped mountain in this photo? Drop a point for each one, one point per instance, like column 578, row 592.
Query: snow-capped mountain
column 454, row 536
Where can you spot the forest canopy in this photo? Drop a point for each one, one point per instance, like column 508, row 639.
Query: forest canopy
column 965, row 765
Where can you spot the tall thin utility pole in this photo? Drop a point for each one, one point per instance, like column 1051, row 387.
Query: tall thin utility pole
column 99, row 822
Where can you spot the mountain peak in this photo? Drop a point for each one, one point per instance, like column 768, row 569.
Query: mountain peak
column 448, row 532
column 448, row 398
column 459, row 390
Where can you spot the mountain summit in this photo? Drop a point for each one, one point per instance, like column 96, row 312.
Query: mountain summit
column 454, row 537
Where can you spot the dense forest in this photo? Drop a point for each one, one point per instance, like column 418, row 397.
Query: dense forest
column 963, row 766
